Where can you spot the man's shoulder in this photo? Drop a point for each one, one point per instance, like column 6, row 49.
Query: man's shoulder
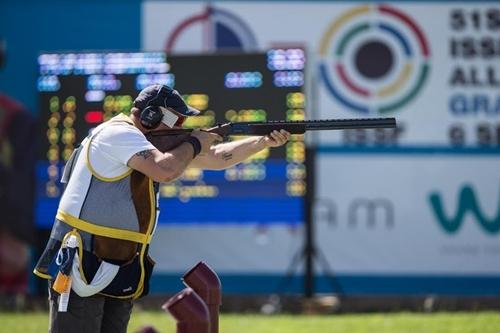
column 120, row 138
column 121, row 126
column 117, row 140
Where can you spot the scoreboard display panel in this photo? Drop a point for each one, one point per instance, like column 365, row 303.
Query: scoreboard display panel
column 78, row 91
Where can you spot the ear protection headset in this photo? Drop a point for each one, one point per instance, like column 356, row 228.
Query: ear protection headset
column 152, row 115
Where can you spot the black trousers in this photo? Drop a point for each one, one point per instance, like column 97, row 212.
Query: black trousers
column 94, row 314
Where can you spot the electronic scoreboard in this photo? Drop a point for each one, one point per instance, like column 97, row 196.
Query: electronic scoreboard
column 78, row 91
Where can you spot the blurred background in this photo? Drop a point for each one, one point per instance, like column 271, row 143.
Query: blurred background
column 338, row 221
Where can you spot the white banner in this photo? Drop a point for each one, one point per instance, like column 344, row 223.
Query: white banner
column 409, row 214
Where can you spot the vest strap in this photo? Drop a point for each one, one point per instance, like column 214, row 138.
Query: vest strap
column 103, row 231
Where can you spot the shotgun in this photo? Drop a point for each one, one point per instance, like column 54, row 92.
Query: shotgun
column 292, row 127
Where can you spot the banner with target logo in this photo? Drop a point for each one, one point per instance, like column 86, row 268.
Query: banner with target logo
column 432, row 65
column 374, row 59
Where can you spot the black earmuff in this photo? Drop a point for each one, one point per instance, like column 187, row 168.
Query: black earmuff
column 151, row 116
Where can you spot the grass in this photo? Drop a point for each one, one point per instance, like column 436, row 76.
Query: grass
column 459, row 322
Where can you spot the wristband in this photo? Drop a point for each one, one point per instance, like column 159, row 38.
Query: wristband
column 196, row 145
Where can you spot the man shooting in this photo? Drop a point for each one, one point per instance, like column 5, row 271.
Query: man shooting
column 98, row 247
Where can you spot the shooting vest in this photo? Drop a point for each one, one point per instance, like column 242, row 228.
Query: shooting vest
column 113, row 218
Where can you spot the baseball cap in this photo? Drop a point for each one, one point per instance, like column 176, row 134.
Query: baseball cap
column 162, row 95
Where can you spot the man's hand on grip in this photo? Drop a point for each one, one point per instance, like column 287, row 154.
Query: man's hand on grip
column 276, row 138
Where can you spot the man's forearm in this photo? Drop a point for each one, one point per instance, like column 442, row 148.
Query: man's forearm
column 175, row 162
column 225, row 155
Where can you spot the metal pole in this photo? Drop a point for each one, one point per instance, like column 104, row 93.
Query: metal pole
column 309, row 248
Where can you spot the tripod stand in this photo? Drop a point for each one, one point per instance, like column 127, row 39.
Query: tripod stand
column 309, row 253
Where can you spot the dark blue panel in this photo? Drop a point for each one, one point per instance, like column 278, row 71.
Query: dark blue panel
column 32, row 27
column 345, row 284
column 226, row 38
column 281, row 210
column 45, row 212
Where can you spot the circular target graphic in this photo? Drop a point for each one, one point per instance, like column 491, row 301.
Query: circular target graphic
column 220, row 30
column 374, row 59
